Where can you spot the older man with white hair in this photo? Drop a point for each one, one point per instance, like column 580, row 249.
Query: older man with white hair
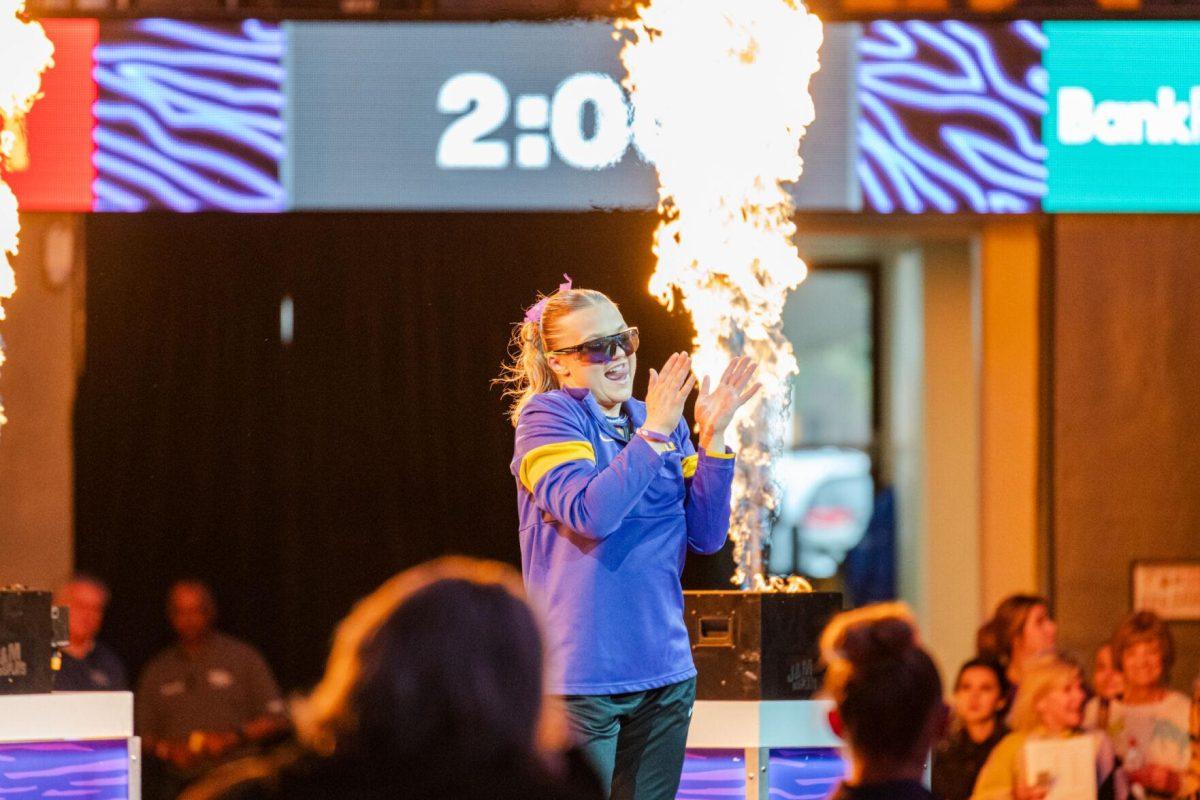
column 88, row 665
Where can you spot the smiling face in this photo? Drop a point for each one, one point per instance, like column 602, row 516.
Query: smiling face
column 612, row 383
column 1142, row 664
column 1061, row 708
column 977, row 695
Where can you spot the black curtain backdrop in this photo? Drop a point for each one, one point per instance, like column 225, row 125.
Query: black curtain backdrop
column 294, row 479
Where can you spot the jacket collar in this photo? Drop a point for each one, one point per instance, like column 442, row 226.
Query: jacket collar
column 634, row 409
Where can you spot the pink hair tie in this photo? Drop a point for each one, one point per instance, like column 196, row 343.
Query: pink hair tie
column 534, row 313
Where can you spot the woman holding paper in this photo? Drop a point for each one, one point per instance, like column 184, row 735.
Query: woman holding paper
column 1047, row 756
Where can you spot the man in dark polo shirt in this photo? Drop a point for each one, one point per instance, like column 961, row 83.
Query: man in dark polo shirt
column 88, row 665
column 205, row 700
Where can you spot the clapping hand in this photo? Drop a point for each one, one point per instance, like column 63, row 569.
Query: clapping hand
column 668, row 391
column 715, row 407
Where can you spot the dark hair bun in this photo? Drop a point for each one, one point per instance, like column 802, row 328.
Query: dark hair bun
column 879, row 640
column 885, row 685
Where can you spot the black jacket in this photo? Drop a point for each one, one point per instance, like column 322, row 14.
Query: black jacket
column 957, row 761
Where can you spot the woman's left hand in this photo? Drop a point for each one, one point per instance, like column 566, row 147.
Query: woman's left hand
column 715, row 408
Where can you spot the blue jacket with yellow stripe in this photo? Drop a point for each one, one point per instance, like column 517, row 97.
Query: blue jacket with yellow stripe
column 605, row 528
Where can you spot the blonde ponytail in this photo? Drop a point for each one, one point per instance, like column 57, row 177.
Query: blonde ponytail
column 527, row 372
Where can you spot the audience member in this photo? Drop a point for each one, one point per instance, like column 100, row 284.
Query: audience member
column 206, row 699
column 1048, row 706
column 888, row 697
column 980, row 693
column 1107, row 685
column 1020, row 631
column 1149, row 724
column 88, row 665
column 433, row 690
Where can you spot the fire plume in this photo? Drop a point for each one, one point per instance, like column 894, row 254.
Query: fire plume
column 25, row 53
column 720, row 97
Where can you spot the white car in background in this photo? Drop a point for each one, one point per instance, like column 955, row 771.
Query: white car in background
column 827, row 500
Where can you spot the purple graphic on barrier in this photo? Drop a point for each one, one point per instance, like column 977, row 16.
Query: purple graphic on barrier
column 189, row 117
column 808, row 774
column 792, row 774
column 95, row 770
column 711, row 774
column 951, row 117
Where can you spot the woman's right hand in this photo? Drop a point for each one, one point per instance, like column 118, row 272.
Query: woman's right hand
column 668, row 392
column 1156, row 778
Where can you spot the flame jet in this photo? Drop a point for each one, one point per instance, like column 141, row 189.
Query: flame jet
column 25, row 53
column 720, row 103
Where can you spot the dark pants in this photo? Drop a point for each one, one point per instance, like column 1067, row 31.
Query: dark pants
column 635, row 740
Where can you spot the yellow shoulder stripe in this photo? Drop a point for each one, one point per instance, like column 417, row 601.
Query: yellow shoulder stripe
column 689, row 465
column 540, row 460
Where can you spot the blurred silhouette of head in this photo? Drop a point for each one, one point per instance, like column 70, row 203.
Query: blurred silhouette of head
column 443, row 660
column 887, row 688
column 191, row 609
column 1144, row 650
column 1050, row 697
column 1107, row 681
column 1019, row 630
column 980, row 691
column 86, row 599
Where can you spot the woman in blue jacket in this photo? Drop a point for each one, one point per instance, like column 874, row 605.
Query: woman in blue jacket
column 612, row 495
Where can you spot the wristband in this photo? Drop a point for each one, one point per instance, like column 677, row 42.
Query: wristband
column 653, row 436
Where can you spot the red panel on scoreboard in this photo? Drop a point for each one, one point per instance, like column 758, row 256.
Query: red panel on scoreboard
column 59, row 128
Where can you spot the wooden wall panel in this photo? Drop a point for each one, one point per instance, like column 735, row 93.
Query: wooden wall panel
column 1010, row 271
column 1126, row 415
column 41, row 335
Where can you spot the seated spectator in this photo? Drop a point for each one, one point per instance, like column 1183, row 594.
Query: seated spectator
column 1149, row 724
column 205, row 700
column 889, row 701
column 1107, row 685
column 1020, row 631
column 88, row 665
column 433, row 689
column 1048, row 706
column 980, row 694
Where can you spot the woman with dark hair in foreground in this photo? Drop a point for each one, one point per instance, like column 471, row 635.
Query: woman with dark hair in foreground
column 433, row 690
column 889, row 701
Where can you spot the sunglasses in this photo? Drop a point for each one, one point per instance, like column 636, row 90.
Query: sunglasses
column 604, row 349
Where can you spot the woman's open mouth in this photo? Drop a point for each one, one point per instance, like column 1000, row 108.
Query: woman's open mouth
column 618, row 373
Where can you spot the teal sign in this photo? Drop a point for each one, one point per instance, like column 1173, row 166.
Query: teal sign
column 1123, row 130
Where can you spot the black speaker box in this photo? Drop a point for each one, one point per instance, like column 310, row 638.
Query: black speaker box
column 758, row 645
column 29, row 629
